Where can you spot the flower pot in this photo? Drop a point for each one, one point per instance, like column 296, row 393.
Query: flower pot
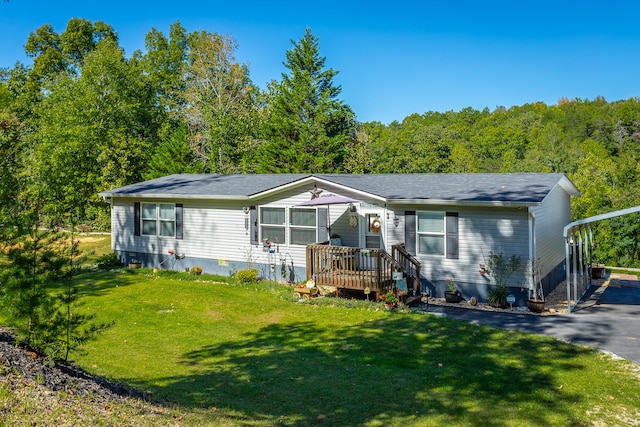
column 390, row 306
column 134, row 265
column 597, row 271
column 536, row 306
column 452, row 297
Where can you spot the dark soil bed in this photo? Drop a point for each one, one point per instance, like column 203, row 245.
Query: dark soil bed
column 32, row 393
column 29, row 365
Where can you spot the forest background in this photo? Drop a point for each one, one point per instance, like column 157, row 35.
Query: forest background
column 83, row 118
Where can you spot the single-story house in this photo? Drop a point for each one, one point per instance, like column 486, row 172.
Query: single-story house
column 429, row 227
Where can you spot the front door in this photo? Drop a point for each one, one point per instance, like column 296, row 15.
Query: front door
column 372, row 229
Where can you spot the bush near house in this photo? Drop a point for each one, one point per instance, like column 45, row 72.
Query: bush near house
column 248, row 276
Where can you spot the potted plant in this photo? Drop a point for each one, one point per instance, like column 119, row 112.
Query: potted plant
column 497, row 296
column 134, row 263
column 390, row 300
column 536, row 302
column 452, row 295
column 500, row 268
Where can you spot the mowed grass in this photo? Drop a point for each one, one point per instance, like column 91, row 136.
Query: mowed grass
column 218, row 353
column 234, row 355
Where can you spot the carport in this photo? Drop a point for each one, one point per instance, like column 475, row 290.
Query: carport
column 578, row 241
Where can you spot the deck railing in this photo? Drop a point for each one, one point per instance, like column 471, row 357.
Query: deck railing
column 347, row 267
column 410, row 266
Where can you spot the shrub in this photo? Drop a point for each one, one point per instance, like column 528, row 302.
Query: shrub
column 197, row 270
column 109, row 260
column 247, row 276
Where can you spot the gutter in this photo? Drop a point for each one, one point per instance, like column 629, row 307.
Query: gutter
column 106, row 195
column 483, row 203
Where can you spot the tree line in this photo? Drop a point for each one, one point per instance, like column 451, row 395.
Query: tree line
column 83, row 118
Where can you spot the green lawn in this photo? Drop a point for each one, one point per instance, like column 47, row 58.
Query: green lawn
column 217, row 353
column 226, row 354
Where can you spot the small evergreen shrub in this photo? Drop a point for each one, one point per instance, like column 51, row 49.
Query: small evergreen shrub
column 108, row 261
column 247, row 276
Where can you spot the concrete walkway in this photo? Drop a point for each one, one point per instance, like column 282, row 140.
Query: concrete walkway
column 608, row 319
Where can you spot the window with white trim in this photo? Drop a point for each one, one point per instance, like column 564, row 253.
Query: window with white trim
column 272, row 224
column 302, row 226
column 431, row 232
column 158, row 219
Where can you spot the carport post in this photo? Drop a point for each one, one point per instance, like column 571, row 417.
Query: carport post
column 567, row 267
column 569, row 236
column 575, row 269
column 581, row 259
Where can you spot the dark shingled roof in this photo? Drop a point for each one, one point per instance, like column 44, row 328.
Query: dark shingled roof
column 206, row 185
column 524, row 188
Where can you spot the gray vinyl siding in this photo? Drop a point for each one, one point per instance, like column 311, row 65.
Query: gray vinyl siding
column 481, row 230
column 550, row 219
column 216, row 230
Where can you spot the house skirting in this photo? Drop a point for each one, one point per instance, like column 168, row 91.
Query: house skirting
column 274, row 271
column 437, row 288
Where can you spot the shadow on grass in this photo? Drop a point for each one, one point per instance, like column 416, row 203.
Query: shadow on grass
column 408, row 370
column 91, row 282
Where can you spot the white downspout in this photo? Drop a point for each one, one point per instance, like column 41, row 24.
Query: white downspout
column 532, row 248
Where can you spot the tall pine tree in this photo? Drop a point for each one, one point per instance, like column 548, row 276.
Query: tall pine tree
column 308, row 128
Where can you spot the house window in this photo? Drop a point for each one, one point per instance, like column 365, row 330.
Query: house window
column 302, row 226
column 272, row 224
column 158, row 219
column 431, row 232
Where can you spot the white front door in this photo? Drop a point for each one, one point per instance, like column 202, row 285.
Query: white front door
column 372, row 228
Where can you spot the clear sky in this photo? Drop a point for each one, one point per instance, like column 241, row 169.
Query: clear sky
column 397, row 57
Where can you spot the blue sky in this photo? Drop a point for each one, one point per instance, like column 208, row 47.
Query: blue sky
column 398, row 57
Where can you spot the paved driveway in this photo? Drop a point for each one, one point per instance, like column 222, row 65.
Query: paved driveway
column 609, row 319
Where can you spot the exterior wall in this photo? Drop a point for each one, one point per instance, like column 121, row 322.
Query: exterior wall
column 550, row 219
column 481, row 230
column 215, row 236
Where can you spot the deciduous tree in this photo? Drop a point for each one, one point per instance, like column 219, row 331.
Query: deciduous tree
column 219, row 99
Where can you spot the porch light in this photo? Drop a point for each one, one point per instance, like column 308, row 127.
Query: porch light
column 246, row 210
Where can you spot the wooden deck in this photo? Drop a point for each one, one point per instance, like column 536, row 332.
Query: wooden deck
column 346, row 267
column 356, row 280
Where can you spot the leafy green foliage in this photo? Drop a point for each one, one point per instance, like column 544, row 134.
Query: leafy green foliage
column 12, row 161
column 219, row 98
column 501, row 267
column 39, row 259
column 94, row 132
column 308, row 128
column 84, row 118
column 109, row 260
column 23, row 295
column 173, row 156
column 247, row 276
